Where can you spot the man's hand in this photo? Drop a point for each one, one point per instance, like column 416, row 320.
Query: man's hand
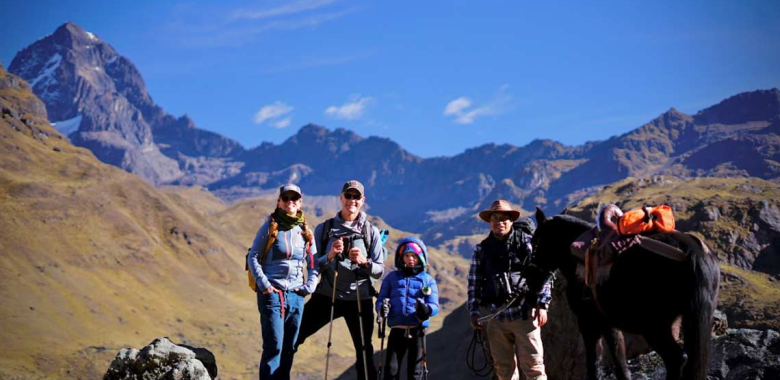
column 356, row 257
column 475, row 323
column 336, row 249
column 270, row 290
column 539, row 316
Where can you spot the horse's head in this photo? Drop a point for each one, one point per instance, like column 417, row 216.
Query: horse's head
column 551, row 243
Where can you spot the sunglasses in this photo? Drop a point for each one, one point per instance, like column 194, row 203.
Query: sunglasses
column 499, row 218
column 355, row 197
column 293, row 198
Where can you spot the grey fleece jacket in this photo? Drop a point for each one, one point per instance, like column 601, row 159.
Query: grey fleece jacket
column 345, row 289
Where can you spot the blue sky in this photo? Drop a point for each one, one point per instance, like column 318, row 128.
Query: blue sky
column 437, row 77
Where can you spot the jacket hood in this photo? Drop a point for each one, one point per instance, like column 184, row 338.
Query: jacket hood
column 399, row 256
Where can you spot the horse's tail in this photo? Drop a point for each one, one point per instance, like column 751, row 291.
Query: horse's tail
column 698, row 317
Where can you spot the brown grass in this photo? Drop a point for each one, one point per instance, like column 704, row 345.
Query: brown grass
column 95, row 259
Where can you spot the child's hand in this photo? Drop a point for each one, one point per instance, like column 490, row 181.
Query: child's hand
column 422, row 310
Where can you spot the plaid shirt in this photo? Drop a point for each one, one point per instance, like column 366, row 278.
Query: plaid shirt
column 511, row 313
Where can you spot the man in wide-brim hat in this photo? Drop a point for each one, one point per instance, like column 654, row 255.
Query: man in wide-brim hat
column 514, row 333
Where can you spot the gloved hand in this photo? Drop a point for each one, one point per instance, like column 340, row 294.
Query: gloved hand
column 422, row 310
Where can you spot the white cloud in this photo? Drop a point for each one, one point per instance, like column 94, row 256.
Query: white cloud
column 292, row 8
column 272, row 113
column 462, row 112
column 468, row 117
column 212, row 26
column 284, row 123
column 350, row 111
column 456, row 106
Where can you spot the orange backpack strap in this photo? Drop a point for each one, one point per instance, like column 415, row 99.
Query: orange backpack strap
column 308, row 237
column 250, row 278
column 273, row 229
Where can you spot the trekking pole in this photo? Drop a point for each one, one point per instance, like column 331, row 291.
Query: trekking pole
column 360, row 321
column 332, row 307
column 424, row 353
column 382, row 330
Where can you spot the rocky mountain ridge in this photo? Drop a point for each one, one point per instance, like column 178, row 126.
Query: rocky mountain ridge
column 84, row 82
column 78, row 75
column 96, row 259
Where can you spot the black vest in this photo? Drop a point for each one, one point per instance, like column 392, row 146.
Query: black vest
column 500, row 257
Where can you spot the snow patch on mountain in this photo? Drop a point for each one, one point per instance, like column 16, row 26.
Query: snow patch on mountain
column 66, row 127
column 46, row 76
column 92, row 36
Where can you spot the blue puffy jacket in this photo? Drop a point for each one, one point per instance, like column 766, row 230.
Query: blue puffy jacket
column 403, row 290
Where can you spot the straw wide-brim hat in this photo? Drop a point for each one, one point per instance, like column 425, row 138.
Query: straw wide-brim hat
column 499, row 206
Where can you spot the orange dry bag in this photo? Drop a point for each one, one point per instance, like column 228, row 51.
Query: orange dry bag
column 644, row 219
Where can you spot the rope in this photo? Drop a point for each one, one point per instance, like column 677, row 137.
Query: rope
column 505, row 306
column 487, row 357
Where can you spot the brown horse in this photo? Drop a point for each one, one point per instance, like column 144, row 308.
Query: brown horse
column 644, row 294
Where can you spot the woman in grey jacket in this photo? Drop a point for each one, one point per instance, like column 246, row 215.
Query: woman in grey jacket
column 282, row 248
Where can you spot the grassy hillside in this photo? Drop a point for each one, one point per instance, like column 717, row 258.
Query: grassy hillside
column 93, row 259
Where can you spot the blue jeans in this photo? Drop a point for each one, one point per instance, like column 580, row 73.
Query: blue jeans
column 279, row 334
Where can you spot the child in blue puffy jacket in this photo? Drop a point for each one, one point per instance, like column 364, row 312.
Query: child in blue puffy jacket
column 413, row 298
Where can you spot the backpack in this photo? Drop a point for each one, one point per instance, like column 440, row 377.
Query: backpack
column 526, row 225
column 273, row 230
column 644, row 219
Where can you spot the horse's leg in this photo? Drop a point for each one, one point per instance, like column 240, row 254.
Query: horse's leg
column 590, row 336
column 673, row 355
column 617, row 347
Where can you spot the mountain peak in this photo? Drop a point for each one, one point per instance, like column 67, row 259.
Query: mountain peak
column 313, row 129
column 317, row 132
column 67, row 53
column 72, row 35
column 760, row 105
column 673, row 115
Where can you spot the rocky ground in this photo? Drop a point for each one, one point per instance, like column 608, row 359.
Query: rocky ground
column 740, row 354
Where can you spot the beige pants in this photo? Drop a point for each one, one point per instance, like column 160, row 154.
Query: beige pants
column 515, row 344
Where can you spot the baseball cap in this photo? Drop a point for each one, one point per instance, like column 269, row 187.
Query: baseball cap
column 290, row 187
column 353, row 184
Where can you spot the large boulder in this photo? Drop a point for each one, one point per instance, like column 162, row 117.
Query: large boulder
column 739, row 354
column 163, row 359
